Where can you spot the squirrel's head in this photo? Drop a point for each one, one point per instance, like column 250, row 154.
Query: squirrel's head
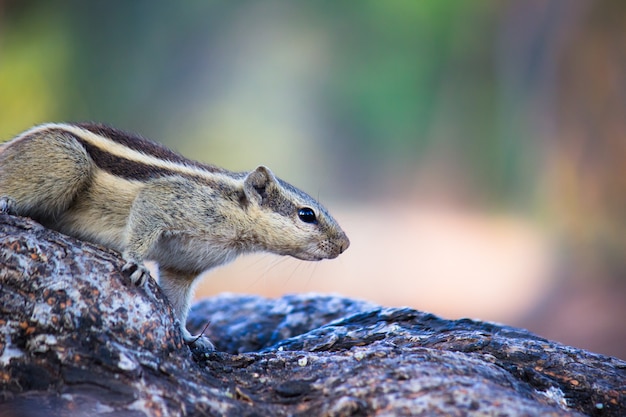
column 288, row 221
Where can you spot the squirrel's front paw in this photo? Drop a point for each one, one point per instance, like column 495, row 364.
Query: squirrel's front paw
column 137, row 272
column 201, row 342
column 7, row 205
column 197, row 342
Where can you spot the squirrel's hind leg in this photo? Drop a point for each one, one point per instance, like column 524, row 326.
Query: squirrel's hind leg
column 41, row 173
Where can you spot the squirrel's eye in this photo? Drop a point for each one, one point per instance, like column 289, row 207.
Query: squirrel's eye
column 307, row 215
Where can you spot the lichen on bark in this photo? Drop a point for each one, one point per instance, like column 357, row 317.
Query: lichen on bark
column 76, row 338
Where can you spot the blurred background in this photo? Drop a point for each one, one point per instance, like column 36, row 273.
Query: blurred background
column 474, row 152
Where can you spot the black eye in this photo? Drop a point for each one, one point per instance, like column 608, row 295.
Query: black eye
column 307, row 215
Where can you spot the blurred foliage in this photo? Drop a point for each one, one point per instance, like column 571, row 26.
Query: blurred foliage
column 33, row 67
column 389, row 69
column 517, row 103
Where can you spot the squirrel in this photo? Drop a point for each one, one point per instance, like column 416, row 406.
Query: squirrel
column 138, row 197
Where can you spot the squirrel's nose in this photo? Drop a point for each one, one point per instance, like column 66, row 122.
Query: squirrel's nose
column 344, row 244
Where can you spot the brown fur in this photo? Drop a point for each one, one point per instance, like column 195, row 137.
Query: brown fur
column 146, row 201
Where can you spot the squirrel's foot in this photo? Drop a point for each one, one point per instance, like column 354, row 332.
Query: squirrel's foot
column 136, row 271
column 197, row 342
column 7, row 205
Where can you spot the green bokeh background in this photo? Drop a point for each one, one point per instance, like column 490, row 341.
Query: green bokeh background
column 378, row 85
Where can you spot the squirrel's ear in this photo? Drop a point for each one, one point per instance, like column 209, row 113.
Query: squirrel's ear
column 256, row 183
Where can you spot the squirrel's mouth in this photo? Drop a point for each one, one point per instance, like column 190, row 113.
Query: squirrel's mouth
column 326, row 249
column 307, row 256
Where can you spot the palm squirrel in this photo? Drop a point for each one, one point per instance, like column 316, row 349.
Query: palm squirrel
column 138, row 197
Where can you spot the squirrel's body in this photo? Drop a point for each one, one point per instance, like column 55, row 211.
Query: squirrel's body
column 138, row 197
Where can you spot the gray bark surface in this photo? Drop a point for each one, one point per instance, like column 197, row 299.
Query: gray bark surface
column 77, row 339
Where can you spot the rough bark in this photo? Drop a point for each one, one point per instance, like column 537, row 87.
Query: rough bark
column 78, row 339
